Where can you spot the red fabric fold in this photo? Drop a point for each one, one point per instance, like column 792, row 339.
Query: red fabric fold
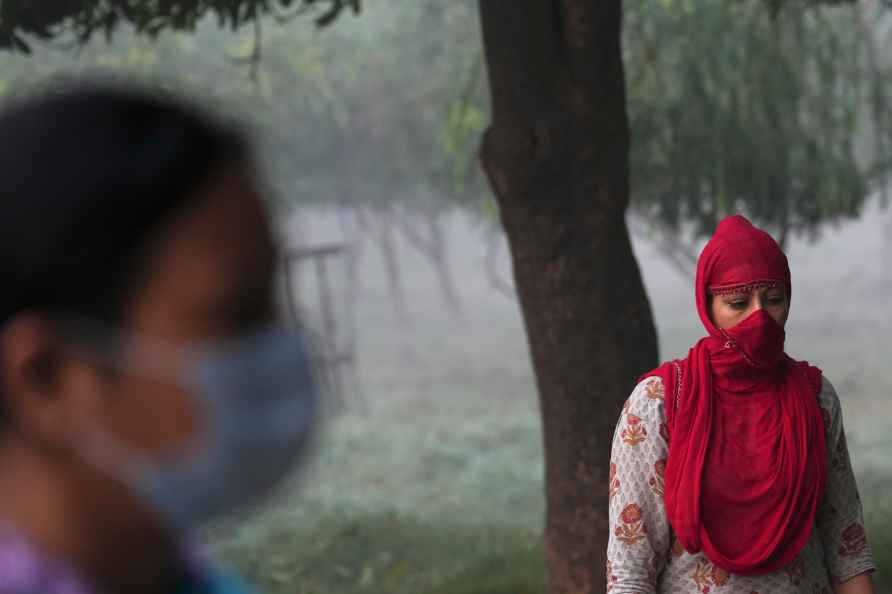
column 747, row 454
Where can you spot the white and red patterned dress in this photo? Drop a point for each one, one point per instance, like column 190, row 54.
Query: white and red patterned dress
column 643, row 555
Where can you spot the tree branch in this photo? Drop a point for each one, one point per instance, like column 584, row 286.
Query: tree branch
column 678, row 254
column 22, row 19
column 521, row 47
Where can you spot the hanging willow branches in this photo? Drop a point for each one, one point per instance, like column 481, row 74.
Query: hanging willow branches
column 22, row 21
column 775, row 108
column 738, row 108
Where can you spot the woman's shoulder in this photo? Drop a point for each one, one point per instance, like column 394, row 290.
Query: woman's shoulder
column 643, row 419
column 651, row 390
column 651, row 383
column 648, row 396
column 828, row 399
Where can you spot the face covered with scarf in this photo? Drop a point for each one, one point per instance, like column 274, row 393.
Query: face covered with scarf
column 746, row 467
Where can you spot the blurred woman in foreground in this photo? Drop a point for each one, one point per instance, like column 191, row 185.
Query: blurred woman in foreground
column 145, row 387
column 730, row 472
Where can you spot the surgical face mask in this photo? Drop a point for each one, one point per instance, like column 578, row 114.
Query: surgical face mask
column 256, row 397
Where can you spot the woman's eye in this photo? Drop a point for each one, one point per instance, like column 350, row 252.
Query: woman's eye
column 737, row 304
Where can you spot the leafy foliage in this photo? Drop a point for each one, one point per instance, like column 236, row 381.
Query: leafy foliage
column 779, row 112
column 366, row 112
column 21, row 19
column 393, row 105
column 737, row 109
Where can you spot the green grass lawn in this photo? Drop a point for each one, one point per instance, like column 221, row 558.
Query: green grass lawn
column 415, row 496
column 392, row 553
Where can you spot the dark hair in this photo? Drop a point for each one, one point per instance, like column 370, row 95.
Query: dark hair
column 88, row 175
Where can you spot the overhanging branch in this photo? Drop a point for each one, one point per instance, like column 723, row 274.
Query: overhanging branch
column 22, row 21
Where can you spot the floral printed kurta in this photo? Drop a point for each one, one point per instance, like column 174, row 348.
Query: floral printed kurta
column 645, row 558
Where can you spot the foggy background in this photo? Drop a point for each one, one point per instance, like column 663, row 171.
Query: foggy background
column 428, row 475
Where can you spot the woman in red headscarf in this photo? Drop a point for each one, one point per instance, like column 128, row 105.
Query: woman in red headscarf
column 730, row 472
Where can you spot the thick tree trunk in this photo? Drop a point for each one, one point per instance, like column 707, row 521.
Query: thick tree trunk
column 556, row 156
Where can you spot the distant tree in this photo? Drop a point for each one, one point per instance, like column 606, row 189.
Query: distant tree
column 339, row 121
column 754, row 111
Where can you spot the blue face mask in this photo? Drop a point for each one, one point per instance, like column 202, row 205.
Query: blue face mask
column 257, row 401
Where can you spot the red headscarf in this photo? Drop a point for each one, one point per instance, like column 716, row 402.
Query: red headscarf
column 746, row 467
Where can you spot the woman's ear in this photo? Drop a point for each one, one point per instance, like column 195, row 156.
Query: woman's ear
column 38, row 402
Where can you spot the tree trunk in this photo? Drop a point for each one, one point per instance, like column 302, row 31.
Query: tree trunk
column 556, row 155
column 379, row 226
column 439, row 257
column 351, row 232
column 352, row 237
column 434, row 248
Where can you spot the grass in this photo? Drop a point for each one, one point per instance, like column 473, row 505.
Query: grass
column 878, row 519
column 387, row 552
column 392, row 504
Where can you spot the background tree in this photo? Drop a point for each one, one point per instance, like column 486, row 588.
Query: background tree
column 767, row 105
column 556, row 155
column 343, row 117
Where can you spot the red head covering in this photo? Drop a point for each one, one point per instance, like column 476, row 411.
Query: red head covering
column 746, row 467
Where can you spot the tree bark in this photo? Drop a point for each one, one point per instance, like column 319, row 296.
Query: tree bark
column 556, row 155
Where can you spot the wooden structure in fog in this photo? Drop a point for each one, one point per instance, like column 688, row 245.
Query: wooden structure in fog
column 328, row 315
